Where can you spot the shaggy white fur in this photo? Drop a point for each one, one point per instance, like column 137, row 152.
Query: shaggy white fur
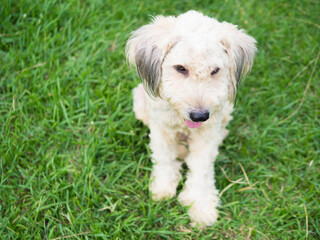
column 190, row 67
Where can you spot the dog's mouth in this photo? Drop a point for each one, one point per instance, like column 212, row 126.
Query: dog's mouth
column 192, row 124
column 197, row 117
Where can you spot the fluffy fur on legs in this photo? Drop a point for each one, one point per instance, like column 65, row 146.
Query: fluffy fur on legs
column 190, row 67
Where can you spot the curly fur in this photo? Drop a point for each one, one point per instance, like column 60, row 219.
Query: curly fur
column 215, row 56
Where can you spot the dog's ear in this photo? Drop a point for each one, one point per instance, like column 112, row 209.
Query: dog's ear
column 147, row 48
column 241, row 49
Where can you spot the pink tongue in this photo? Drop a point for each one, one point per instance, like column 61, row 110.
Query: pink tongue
column 191, row 124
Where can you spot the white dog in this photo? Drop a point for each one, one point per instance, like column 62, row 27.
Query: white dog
column 190, row 67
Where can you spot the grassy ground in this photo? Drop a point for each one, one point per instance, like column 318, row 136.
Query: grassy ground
column 74, row 163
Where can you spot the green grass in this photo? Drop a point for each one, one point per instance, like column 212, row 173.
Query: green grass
column 74, row 162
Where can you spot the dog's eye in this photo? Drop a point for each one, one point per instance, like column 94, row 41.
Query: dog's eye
column 215, row 71
column 181, row 69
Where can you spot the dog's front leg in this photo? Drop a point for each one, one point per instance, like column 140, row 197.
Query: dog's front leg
column 166, row 169
column 200, row 192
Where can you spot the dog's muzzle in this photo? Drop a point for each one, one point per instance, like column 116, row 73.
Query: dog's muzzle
column 199, row 116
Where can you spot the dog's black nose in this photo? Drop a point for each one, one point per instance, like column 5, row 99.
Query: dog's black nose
column 199, row 116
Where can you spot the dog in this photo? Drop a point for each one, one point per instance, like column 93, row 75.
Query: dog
column 190, row 67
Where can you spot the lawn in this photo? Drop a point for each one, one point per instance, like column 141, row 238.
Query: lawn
column 75, row 163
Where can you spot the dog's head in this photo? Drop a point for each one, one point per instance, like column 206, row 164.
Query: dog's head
column 192, row 61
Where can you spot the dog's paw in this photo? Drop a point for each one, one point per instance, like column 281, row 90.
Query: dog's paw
column 164, row 180
column 161, row 190
column 203, row 212
column 203, row 216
